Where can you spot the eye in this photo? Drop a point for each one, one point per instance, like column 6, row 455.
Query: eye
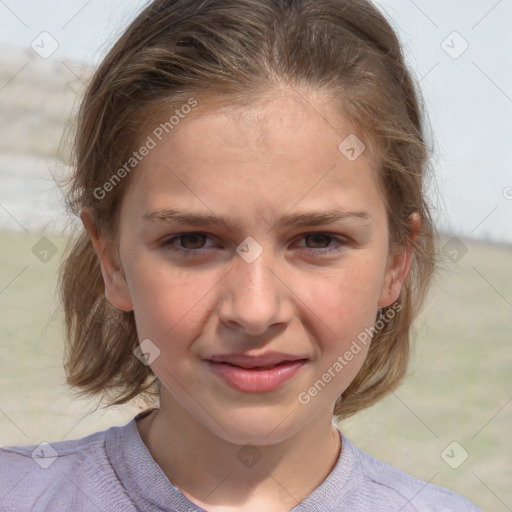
column 323, row 243
column 318, row 240
column 195, row 244
column 187, row 243
column 192, row 240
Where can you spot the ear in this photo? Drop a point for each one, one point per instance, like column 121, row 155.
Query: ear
column 116, row 286
column 399, row 266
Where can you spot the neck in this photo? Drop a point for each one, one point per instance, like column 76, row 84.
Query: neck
column 219, row 475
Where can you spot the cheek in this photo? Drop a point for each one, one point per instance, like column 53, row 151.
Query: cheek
column 169, row 303
column 345, row 300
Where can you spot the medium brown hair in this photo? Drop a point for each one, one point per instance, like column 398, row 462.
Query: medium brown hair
column 238, row 50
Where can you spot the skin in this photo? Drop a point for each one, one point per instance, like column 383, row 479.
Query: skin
column 251, row 165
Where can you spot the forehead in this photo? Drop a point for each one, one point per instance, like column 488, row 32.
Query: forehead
column 285, row 149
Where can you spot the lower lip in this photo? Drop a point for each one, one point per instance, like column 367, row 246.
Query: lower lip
column 252, row 380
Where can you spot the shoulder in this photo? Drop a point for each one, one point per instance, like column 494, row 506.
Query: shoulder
column 66, row 475
column 391, row 487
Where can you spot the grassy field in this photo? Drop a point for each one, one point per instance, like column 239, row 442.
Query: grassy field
column 458, row 389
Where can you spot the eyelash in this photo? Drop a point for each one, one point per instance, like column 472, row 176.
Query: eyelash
column 341, row 244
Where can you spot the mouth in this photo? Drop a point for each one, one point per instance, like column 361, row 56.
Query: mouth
column 259, row 368
column 264, row 361
column 255, row 374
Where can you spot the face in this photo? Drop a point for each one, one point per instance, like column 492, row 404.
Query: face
column 254, row 253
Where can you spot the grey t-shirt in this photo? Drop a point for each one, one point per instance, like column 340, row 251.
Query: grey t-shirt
column 112, row 471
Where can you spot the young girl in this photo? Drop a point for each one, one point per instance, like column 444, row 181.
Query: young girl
column 256, row 245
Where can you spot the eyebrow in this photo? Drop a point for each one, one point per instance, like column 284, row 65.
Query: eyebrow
column 317, row 218
column 312, row 218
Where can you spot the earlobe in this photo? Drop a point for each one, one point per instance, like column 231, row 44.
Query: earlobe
column 399, row 267
column 116, row 286
column 395, row 278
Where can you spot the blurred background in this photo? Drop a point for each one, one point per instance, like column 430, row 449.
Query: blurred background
column 450, row 421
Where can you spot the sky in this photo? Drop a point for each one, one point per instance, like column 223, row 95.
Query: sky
column 459, row 51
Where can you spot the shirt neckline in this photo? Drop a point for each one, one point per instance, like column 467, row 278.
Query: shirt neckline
column 148, row 487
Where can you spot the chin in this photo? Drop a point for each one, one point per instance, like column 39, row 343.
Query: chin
column 257, row 425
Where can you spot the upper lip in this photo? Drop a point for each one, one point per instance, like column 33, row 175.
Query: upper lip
column 261, row 360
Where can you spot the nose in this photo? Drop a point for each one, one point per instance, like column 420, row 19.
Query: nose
column 254, row 298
